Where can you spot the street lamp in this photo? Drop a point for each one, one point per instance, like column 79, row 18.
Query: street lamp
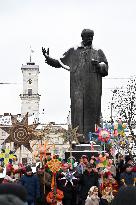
column 111, row 112
column 113, row 92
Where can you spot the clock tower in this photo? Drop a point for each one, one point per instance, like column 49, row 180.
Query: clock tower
column 30, row 97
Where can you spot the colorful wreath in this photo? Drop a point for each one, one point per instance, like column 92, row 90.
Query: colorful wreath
column 104, row 135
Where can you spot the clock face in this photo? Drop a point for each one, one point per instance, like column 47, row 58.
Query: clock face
column 30, row 81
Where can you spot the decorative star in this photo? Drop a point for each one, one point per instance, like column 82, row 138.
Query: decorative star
column 71, row 135
column 20, row 133
column 68, row 176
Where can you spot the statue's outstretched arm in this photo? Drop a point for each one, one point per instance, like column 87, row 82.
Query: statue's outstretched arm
column 53, row 62
column 50, row 61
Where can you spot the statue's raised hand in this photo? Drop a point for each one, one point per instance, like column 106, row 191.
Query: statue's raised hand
column 45, row 53
column 50, row 61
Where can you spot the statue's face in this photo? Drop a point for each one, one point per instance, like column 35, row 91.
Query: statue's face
column 87, row 40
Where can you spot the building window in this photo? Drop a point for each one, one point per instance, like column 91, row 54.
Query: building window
column 29, row 92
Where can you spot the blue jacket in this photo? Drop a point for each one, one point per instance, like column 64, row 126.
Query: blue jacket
column 128, row 178
column 32, row 186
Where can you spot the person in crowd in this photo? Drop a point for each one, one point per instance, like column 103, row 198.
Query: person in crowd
column 32, row 186
column 9, row 177
column 92, row 198
column 128, row 160
column 82, row 165
column 134, row 168
column 125, row 196
column 45, row 183
column 10, row 200
column 12, row 194
column 88, row 179
column 127, row 178
column 107, row 196
column 93, row 162
column 67, row 182
column 112, row 168
column 119, row 166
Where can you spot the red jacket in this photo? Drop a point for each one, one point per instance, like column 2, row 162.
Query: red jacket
column 134, row 169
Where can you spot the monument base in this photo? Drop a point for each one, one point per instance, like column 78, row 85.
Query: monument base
column 83, row 149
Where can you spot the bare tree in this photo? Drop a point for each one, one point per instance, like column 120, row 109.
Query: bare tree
column 125, row 103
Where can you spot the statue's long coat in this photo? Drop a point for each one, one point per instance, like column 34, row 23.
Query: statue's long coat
column 85, row 86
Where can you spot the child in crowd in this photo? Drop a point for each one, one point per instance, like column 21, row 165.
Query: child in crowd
column 107, row 196
column 92, row 198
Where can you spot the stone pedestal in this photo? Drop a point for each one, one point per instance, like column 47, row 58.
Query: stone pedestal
column 83, row 149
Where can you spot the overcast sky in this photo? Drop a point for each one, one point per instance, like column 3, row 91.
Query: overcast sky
column 57, row 24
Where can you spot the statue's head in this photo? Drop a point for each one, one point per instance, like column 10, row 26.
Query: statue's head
column 87, row 37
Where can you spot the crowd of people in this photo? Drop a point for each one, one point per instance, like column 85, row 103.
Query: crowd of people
column 91, row 181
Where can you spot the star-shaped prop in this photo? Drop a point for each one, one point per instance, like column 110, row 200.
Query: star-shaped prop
column 69, row 177
column 21, row 133
column 71, row 135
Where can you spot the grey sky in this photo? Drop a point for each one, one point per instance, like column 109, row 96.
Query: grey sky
column 57, row 24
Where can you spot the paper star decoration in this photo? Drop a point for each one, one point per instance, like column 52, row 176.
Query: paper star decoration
column 68, row 176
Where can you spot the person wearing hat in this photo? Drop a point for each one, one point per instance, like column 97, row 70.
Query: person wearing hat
column 13, row 189
column 125, row 196
column 128, row 178
column 88, row 179
column 11, row 194
column 10, row 200
column 67, row 181
column 32, row 186
column 87, row 66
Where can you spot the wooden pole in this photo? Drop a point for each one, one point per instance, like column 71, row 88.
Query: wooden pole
column 104, row 146
column 20, row 154
column 44, row 176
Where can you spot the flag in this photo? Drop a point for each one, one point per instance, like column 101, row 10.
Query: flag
column 32, row 51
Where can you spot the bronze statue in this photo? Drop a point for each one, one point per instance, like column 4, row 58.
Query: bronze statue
column 87, row 66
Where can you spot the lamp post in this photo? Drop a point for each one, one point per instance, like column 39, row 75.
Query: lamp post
column 111, row 112
column 112, row 103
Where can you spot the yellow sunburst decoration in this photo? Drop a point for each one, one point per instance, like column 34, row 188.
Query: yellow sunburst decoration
column 54, row 165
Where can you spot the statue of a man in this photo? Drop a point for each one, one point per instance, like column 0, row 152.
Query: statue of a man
column 87, row 66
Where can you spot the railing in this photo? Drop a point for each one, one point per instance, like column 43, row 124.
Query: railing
column 30, row 96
